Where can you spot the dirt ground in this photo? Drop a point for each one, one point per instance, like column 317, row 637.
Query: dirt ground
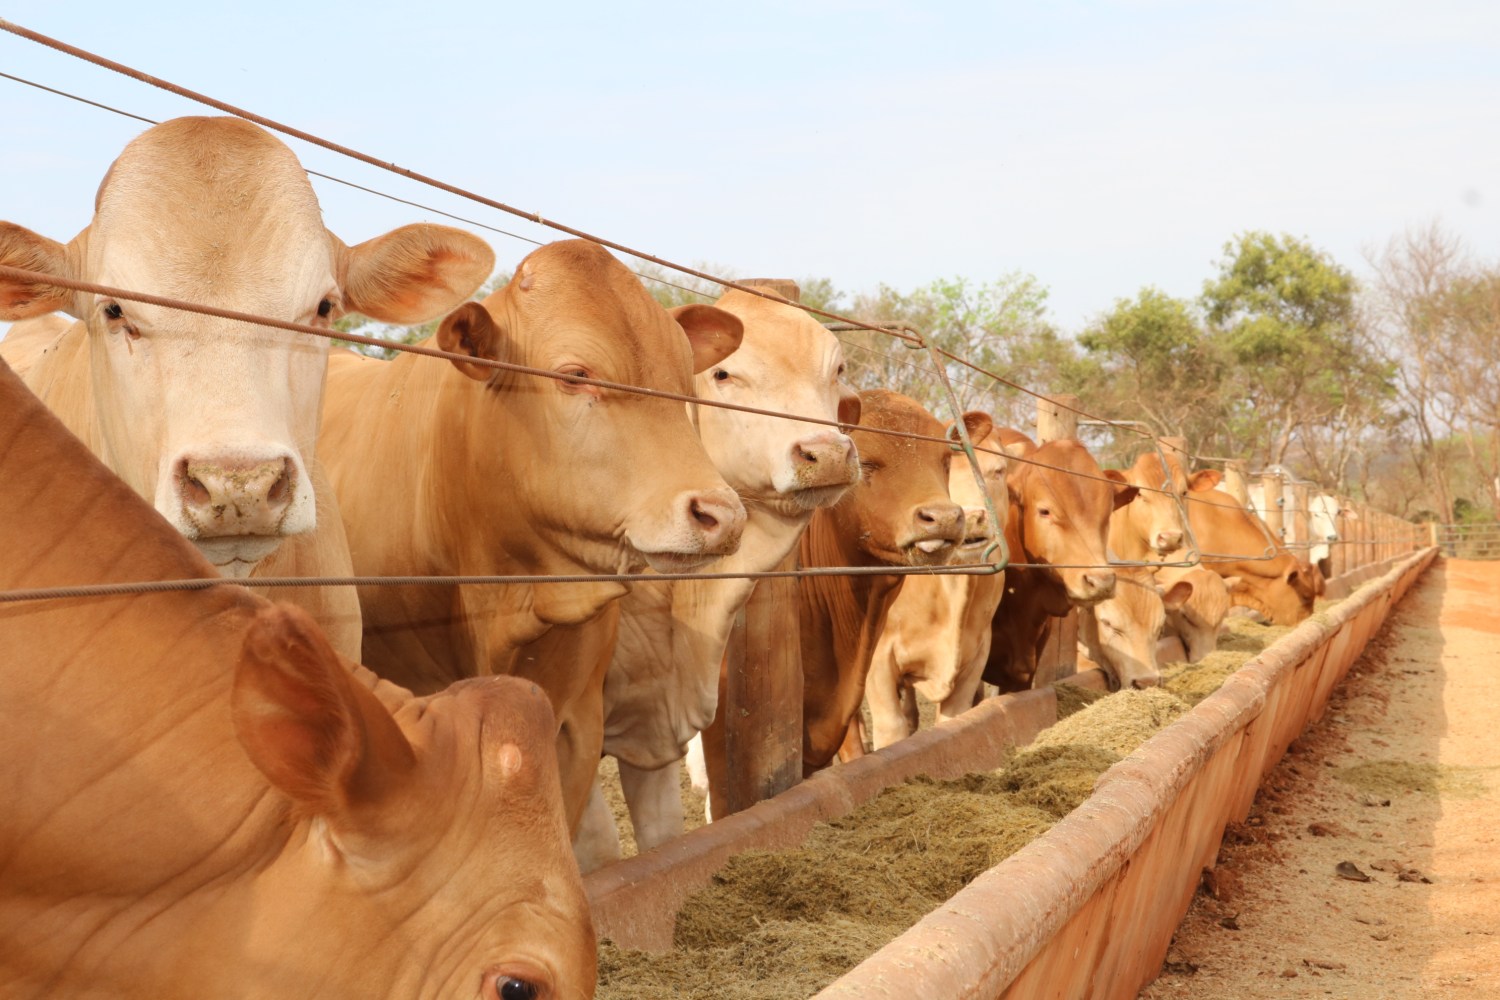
column 1370, row 863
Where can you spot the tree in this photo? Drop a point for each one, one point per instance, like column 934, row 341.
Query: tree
column 1284, row 313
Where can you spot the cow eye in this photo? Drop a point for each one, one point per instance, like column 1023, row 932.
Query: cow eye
column 325, row 309
column 720, row 375
column 1043, row 512
column 113, row 311
column 515, row 989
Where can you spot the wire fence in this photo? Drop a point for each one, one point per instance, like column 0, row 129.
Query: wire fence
column 907, row 337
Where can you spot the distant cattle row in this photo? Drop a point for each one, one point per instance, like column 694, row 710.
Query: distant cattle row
column 307, row 828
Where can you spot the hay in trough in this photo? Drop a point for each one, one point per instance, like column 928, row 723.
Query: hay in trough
column 783, row 925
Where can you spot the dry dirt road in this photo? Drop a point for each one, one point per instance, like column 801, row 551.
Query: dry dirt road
column 1399, row 784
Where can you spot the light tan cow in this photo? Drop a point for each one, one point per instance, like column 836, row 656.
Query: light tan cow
column 937, row 636
column 1149, row 526
column 1121, row 633
column 1192, row 630
column 662, row 688
column 213, row 420
column 460, row 469
column 200, row 796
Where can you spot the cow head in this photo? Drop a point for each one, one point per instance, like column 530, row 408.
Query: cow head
column 1153, row 516
column 429, row 857
column 1279, row 586
column 787, row 362
column 1198, row 621
column 215, row 420
column 900, row 512
column 1121, row 631
column 979, row 531
column 1064, row 501
column 613, row 480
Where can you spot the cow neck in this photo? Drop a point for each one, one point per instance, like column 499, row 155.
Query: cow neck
column 709, row 606
column 148, row 725
column 842, row 617
column 495, row 537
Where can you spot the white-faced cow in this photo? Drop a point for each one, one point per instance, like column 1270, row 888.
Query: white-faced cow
column 213, row 420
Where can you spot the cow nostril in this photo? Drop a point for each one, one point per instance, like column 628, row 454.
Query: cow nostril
column 280, row 489
column 196, row 492
column 926, row 517
column 702, row 516
column 805, row 455
column 1141, row 683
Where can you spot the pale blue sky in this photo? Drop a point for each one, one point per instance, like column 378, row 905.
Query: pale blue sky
column 1100, row 146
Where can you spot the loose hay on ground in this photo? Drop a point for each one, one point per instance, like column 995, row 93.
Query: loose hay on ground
column 1394, row 777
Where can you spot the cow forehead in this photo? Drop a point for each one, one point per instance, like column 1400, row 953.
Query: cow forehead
column 885, row 410
column 205, row 205
column 781, row 337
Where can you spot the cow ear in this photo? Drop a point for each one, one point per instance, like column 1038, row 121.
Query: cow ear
column 23, row 298
column 1232, row 581
column 1205, row 479
column 978, row 423
column 324, row 741
column 714, row 333
column 1177, row 595
column 850, row 407
column 471, row 330
column 1124, row 491
column 414, row 273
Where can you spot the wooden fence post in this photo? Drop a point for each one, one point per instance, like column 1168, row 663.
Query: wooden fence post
column 1299, row 533
column 761, row 703
column 1060, row 655
column 1339, row 554
column 1235, row 483
column 1274, row 491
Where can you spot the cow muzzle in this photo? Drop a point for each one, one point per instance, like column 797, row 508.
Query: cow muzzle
column 1167, row 542
column 936, row 530
column 821, row 462
column 1090, row 586
column 703, row 525
column 237, row 508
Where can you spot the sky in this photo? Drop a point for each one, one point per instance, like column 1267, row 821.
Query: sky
column 1102, row 147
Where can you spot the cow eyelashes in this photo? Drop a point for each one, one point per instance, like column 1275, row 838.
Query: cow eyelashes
column 115, row 315
column 113, row 311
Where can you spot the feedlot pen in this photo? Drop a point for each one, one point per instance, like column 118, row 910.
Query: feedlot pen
column 1401, row 780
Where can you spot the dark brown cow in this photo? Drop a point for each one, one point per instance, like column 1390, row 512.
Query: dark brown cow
column 1061, row 503
column 898, row 515
column 201, row 797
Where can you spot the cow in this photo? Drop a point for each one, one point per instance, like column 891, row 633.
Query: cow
column 1120, row 634
column 1192, row 629
column 200, row 794
column 937, row 636
column 1060, row 508
column 662, row 686
column 1150, row 526
column 1323, row 515
column 456, row 468
column 1235, row 543
column 215, row 420
column 900, row 514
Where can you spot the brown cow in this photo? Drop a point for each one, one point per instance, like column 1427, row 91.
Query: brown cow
column 899, row 515
column 461, row 469
column 937, row 636
column 1061, row 503
column 1192, row 630
column 201, row 796
column 1235, row 542
column 663, row 683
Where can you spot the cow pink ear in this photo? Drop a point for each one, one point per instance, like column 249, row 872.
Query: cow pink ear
column 414, row 273
column 324, row 741
column 471, row 330
column 1124, row 491
column 851, row 407
column 23, row 298
column 1177, row 595
column 1232, row 581
column 714, row 333
column 1205, row 479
